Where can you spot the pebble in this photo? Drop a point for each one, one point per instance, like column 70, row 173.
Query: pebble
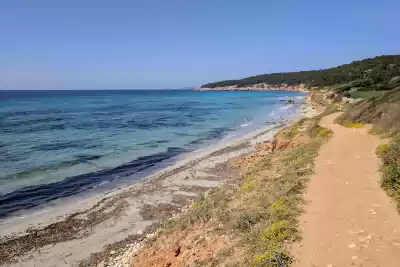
column 150, row 235
column 352, row 245
column 365, row 239
column 124, row 259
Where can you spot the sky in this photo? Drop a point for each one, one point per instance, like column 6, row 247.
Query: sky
column 126, row 44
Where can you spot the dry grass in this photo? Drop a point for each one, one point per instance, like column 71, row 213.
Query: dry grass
column 259, row 213
column 349, row 124
column 382, row 112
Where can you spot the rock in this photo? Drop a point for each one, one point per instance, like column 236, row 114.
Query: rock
column 352, row 245
column 113, row 252
column 395, row 80
column 177, row 251
column 267, row 146
column 139, row 232
column 101, row 264
column 150, row 236
column 207, row 193
column 290, row 101
column 280, row 143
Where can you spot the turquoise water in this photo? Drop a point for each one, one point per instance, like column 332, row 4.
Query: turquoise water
column 59, row 143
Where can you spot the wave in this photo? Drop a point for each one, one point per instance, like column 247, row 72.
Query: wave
column 245, row 124
column 285, row 107
column 31, row 196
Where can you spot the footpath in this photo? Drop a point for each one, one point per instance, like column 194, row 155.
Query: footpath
column 349, row 220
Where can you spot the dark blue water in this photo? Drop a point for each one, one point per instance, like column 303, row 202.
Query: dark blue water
column 59, row 143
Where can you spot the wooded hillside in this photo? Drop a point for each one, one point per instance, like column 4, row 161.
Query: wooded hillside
column 378, row 71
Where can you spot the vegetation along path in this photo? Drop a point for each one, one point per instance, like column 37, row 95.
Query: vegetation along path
column 349, row 220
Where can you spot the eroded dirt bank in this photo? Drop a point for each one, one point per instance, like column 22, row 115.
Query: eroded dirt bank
column 251, row 221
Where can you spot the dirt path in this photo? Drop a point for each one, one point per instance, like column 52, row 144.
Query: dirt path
column 350, row 221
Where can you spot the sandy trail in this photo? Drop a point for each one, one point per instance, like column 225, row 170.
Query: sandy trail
column 349, row 220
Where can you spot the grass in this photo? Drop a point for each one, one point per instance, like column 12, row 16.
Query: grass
column 279, row 226
column 381, row 134
column 390, row 180
column 366, row 94
column 213, row 206
column 383, row 112
column 291, row 131
column 350, row 124
column 260, row 211
column 246, row 187
column 382, row 150
column 324, row 133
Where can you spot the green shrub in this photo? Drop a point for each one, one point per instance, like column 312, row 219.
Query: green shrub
column 390, row 155
column 274, row 237
column 323, row 132
column 381, row 150
column 350, row 124
column 246, row 187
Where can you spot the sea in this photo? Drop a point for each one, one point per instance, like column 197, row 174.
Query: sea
column 55, row 144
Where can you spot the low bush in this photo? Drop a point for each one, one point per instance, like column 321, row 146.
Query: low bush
column 390, row 155
column 323, row 132
column 349, row 124
column 381, row 150
column 383, row 112
column 260, row 211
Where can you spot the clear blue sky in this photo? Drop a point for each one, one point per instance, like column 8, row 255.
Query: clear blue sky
column 88, row 44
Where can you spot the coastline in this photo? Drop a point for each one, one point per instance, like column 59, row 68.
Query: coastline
column 260, row 87
column 104, row 224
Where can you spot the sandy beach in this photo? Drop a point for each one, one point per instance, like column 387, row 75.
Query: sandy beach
column 86, row 232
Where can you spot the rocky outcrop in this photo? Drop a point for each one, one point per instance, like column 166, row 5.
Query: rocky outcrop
column 247, row 161
column 282, row 143
column 260, row 87
column 279, row 143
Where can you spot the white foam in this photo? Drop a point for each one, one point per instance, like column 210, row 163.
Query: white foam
column 285, row 107
column 104, row 182
column 245, row 124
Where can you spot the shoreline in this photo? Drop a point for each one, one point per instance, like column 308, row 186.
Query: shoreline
column 104, row 221
column 259, row 87
column 110, row 172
